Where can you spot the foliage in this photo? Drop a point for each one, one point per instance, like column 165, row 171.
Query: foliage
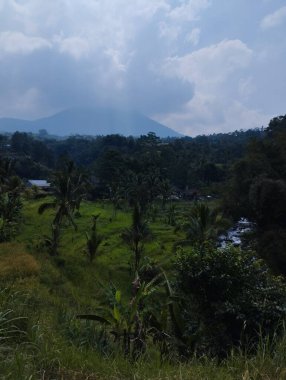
column 192, row 162
column 93, row 239
column 10, row 201
column 136, row 235
column 59, row 346
column 202, row 225
column 271, row 246
column 127, row 321
column 211, row 303
column 229, row 296
column 257, row 190
column 69, row 189
column 171, row 215
column 268, row 201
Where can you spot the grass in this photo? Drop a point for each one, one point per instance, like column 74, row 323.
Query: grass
column 46, row 293
column 16, row 262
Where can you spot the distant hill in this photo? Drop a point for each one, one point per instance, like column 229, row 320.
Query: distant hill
column 90, row 121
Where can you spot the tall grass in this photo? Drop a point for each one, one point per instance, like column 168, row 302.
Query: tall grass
column 61, row 347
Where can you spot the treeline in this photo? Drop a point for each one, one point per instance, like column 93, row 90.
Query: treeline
column 257, row 190
column 247, row 170
column 185, row 162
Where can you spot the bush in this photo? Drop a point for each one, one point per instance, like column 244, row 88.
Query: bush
column 272, row 248
column 229, row 297
column 268, row 200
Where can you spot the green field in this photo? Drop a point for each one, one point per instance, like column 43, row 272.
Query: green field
column 48, row 292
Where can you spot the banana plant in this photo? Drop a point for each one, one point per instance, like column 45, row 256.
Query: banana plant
column 125, row 320
column 168, row 327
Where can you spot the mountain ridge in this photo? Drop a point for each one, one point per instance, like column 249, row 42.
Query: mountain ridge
column 90, row 121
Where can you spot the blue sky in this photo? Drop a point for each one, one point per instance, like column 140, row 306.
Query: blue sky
column 198, row 66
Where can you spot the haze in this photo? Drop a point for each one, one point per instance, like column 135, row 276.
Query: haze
column 197, row 66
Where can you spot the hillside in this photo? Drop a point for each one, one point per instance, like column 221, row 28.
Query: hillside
column 119, row 272
column 90, row 121
column 45, row 294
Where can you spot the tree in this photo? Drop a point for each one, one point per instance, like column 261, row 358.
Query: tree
column 229, row 297
column 136, row 235
column 165, row 191
column 257, row 190
column 137, row 191
column 268, row 200
column 69, row 187
column 203, row 224
column 10, row 200
column 93, row 239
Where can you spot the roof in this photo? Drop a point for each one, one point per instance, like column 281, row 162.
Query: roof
column 39, row 182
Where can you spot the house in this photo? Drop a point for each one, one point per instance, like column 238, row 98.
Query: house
column 41, row 184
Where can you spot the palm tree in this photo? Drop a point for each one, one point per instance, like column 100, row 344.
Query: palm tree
column 93, row 239
column 165, row 191
column 136, row 235
column 203, row 224
column 137, row 190
column 69, row 189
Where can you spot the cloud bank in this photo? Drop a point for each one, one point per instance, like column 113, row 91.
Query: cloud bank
column 191, row 64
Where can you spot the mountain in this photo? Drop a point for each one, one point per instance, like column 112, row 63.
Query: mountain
column 90, row 121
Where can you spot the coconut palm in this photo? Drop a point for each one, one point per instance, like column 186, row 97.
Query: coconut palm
column 203, row 224
column 69, row 189
column 136, row 235
column 93, row 239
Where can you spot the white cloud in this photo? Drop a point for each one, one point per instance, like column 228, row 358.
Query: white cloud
column 204, row 116
column 17, row 42
column 189, row 10
column 146, row 8
column 99, row 51
column 12, row 42
column 246, row 87
column 194, row 36
column 168, row 31
column 77, row 47
column 23, row 104
column 178, row 19
column 274, row 19
column 117, row 60
column 111, row 24
column 221, row 87
column 209, row 67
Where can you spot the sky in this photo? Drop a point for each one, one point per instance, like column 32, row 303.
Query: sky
column 197, row 66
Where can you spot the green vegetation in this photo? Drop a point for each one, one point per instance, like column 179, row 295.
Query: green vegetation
column 118, row 274
column 93, row 240
column 10, row 202
column 49, row 293
column 257, row 190
column 69, row 188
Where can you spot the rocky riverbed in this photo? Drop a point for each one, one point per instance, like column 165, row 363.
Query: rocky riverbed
column 235, row 234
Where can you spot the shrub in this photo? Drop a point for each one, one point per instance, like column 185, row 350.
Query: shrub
column 229, row 296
